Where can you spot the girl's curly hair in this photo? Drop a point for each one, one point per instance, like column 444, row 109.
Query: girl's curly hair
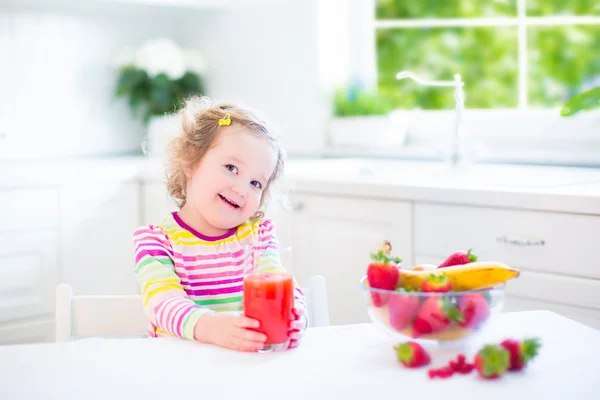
column 199, row 129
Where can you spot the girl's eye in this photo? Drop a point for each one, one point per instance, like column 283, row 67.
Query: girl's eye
column 256, row 184
column 231, row 168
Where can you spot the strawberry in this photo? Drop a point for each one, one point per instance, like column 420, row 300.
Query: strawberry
column 521, row 352
column 403, row 309
column 492, row 361
column 436, row 283
column 435, row 315
column 382, row 274
column 412, row 355
column 475, row 310
column 443, row 372
column 458, row 258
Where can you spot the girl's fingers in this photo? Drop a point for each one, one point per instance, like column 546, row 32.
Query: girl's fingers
column 245, row 322
column 240, row 344
column 251, row 336
column 296, row 325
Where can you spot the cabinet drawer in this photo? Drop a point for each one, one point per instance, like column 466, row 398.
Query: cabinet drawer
column 542, row 241
column 24, row 209
column 582, row 315
column 375, row 211
column 28, row 274
column 579, row 292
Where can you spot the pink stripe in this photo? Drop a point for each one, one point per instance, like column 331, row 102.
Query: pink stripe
column 181, row 317
column 202, row 257
column 165, row 307
column 170, row 319
column 151, row 253
column 148, row 229
column 174, row 318
column 230, row 263
column 266, row 239
column 214, row 292
column 224, row 274
column 266, row 226
column 221, row 282
column 153, row 239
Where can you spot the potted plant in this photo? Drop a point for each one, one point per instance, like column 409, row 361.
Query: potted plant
column 156, row 78
column 357, row 113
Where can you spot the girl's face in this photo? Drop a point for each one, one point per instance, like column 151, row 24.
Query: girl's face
column 225, row 188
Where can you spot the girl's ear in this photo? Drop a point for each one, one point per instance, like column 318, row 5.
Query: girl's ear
column 188, row 170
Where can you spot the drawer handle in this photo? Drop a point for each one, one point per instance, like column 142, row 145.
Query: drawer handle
column 520, row 242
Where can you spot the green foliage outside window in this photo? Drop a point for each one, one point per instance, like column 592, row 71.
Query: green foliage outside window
column 562, row 60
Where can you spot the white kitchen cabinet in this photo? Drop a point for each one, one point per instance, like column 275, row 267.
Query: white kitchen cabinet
column 32, row 330
column 29, row 267
column 332, row 236
column 541, row 241
column 28, row 276
column 97, row 222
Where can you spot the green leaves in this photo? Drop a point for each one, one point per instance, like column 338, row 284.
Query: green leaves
column 149, row 96
column 586, row 100
column 354, row 101
column 560, row 59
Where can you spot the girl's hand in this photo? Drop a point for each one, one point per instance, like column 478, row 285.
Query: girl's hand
column 297, row 327
column 230, row 330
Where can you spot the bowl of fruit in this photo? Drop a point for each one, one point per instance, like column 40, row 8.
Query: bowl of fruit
column 441, row 304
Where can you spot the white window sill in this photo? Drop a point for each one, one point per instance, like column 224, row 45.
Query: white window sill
column 490, row 136
column 523, row 156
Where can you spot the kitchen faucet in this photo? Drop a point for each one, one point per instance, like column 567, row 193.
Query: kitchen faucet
column 455, row 155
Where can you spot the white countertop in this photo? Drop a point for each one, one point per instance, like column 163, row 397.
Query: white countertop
column 560, row 189
column 341, row 362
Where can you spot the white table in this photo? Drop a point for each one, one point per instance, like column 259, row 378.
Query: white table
column 341, row 362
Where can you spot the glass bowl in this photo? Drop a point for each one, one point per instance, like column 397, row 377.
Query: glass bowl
column 432, row 318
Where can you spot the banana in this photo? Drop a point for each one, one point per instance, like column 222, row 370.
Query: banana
column 471, row 276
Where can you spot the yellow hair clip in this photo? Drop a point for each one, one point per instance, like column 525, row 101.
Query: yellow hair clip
column 225, row 121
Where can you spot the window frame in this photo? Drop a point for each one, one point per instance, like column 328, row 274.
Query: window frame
column 573, row 140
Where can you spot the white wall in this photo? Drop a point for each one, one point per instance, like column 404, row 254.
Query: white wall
column 265, row 54
column 57, row 80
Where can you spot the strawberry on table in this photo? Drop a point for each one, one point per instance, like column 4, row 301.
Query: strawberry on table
column 475, row 310
column 521, row 352
column 436, row 283
column 458, row 258
column 491, row 361
column 383, row 273
column 435, row 315
column 412, row 355
column 403, row 308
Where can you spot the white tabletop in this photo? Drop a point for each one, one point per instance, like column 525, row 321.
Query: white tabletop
column 341, row 362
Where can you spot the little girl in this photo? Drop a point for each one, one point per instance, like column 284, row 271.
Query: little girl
column 191, row 266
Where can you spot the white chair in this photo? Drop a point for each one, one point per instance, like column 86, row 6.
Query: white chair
column 124, row 316
column 316, row 301
column 98, row 315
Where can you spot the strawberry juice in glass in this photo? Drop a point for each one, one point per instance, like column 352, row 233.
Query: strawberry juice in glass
column 269, row 298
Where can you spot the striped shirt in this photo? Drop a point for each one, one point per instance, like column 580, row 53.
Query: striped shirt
column 183, row 274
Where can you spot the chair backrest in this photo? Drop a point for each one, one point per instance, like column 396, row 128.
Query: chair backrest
column 316, row 299
column 98, row 315
column 124, row 316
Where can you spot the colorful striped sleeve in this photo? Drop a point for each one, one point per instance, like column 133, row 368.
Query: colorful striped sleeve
column 269, row 259
column 167, row 305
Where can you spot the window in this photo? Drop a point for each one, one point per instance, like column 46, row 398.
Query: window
column 511, row 53
column 520, row 60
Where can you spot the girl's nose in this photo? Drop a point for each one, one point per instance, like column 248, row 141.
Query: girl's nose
column 239, row 192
